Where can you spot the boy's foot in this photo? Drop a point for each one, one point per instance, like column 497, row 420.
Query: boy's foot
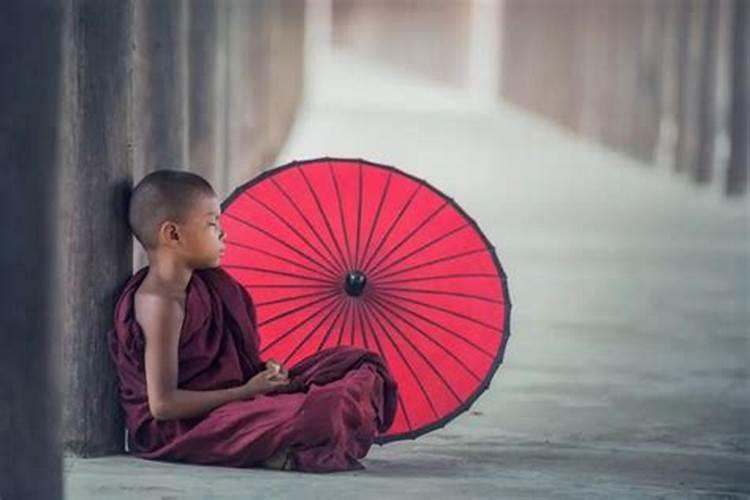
column 289, row 463
column 281, row 460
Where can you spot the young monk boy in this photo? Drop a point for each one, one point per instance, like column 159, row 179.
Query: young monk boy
column 186, row 348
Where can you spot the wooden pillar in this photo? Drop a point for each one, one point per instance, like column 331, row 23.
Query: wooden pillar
column 96, row 157
column 161, row 91
column 161, row 85
column 483, row 49
column 205, row 112
column 30, row 457
column 224, row 71
column 646, row 96
column 285, row 56
column 703, row 167
column 666, row 142
column 739, row 157
column 610, row 81
column 589, row 117
column 691, row 66
column 623, row 72
column 248, row 82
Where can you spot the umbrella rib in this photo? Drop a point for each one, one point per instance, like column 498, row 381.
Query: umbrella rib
column 341, row 306
column 331, row 270
column 366, row 311
column 421, row 354
column 408, row 365
column 418, row 250
column 343, row 323
column 287, row 299
column 298, row 308
column 266, row 285
column 354, row 322
column 261, row 230
column 444, row 328
column 429, row 263
column 448, row 311
column 377, row 215
column 440, row 277
column 307, row 221
column 375, row 267
column 322, row 214
column 292, row 329
column 362, row 327
column 341, row 216
column 403, row 410
column 280, row 273
column 307, row 337
column 442, row 292
column 265, row 252
column 393, row 224
column 428, row 337
column 359, row 217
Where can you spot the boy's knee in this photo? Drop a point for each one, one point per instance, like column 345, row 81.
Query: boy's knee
column 335, row 408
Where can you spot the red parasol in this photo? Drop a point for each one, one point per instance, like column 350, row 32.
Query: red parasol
column 350, row 252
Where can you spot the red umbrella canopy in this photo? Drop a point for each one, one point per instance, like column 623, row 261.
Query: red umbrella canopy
column 351, row 252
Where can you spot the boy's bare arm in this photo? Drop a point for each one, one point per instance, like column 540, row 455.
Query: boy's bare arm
column 161, row 320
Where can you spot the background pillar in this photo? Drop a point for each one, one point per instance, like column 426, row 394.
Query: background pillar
column 30, row 58
column 96, row 157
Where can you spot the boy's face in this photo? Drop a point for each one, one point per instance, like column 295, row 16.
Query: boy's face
column 201, row 239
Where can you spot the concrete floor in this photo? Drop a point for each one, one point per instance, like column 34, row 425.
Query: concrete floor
column 626, row 374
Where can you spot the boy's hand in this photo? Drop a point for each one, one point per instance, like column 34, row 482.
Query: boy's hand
column 278, row 370
column 263, row 383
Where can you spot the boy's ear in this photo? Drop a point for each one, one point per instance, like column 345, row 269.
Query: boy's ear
column 169, row 231
column 174, row 233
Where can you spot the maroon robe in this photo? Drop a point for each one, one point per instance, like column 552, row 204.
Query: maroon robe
column 337, row 400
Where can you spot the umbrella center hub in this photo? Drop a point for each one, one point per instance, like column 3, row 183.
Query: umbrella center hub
column 354, row 284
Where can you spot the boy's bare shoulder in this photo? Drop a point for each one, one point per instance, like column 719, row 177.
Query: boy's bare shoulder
column 157, row 311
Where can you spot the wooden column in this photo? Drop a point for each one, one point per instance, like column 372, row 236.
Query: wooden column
column 160, row 90
column 691, row 58
column 589, row 120
column 703, row 167
column 96, row 158
column 249, row 29
column 161, row 85
column 739, row 157
column 646, row 92
column 285, row 64
column 30, row 458
column 205, row 62
column 666, row 142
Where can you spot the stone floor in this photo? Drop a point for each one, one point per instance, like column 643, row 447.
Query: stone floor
column 626, row 374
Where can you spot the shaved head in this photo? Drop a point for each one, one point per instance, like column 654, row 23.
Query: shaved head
column 160, row 196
